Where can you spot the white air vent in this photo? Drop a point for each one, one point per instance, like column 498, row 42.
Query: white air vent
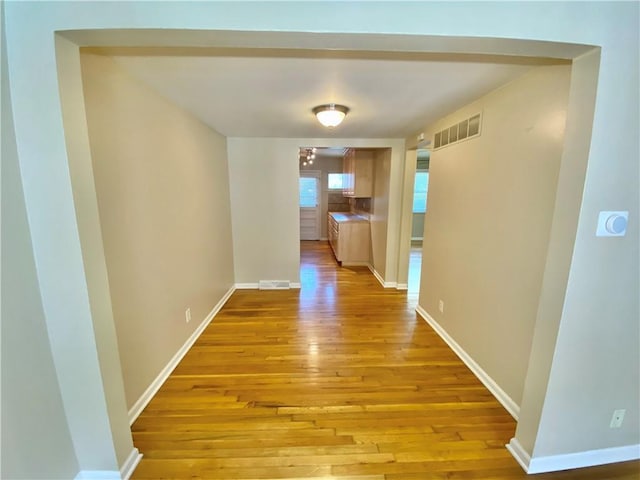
column 463, row 130
column 274, row 285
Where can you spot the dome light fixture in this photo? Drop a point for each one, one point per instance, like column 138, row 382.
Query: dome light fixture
column 331, row 114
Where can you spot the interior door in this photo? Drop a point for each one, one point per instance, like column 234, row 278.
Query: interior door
column 309, row 205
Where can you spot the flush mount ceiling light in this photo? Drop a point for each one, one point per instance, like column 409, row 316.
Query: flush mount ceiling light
column 331, row 114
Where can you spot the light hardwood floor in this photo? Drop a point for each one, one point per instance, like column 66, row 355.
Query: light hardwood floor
column 338, row 380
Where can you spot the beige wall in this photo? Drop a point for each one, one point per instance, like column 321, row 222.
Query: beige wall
column 36, row 442
column 379, row 217
column 95, row 271
column 264, row 201
column 162, row 187
column 486, row 230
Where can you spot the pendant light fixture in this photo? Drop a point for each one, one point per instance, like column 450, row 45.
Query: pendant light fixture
column 331, row 114
column 307, row 156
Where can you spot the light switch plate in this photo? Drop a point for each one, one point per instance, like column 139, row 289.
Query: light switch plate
column 612, row 224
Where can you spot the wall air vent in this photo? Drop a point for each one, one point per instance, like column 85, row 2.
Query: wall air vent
column 274, row 285
column 463, row 130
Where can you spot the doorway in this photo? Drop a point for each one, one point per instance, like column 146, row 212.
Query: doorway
column 309, row 201
column 418, row 212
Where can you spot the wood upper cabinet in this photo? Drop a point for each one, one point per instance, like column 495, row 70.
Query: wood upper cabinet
column 357, row 168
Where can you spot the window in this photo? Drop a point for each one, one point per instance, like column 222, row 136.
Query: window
column 420, row 188
column 335, row 181
column 308, row 192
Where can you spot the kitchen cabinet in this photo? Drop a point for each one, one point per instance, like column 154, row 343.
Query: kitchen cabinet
column 357, row 169
column 349, row 237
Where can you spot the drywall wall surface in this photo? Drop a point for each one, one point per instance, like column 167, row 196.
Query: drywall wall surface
column 36, row 440
column 487, row 227
column 396, row 157
column 596, row 366
column 63, row 284
column 264, row 176
column 162, row 187
column 562, row 238
column 379, row 218
column 88, row 221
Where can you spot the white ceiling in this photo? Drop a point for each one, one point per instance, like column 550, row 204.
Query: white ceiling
column 270, row 93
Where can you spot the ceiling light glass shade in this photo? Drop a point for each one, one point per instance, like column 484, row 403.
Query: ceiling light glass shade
column 330, row 115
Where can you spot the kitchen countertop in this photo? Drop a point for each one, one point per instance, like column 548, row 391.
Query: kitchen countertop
column 341, row 217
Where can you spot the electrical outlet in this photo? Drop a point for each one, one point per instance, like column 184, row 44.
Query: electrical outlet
column 441, row 306
column 187, row 315
column 617, row 418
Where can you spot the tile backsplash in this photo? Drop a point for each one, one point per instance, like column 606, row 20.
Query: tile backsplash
column 360, row 204
column 338, row 203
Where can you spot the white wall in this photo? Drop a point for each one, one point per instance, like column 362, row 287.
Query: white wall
column 611, row 179
column 163, row 193
column 36, row 442
column 264, row 176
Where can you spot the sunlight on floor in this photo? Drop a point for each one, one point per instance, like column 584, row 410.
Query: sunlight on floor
column 415, row 265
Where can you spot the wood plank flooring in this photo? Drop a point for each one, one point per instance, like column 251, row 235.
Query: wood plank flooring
column 338, row 380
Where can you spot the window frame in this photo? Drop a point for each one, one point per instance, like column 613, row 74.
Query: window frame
column 341, row 183
column 426, row 192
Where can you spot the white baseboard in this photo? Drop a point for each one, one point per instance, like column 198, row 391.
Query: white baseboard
column 152, row 389
column 380, row 279
column 519, row 453
column 402, row 286
column 98, row 475
column 125, row 472
column 130, row 464
column 377, row 275
column 355, row 264
column 415, row 239
column 588, row 458
column 507, row 402
column 256, row 286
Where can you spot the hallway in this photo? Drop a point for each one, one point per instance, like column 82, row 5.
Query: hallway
column 338, row 380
